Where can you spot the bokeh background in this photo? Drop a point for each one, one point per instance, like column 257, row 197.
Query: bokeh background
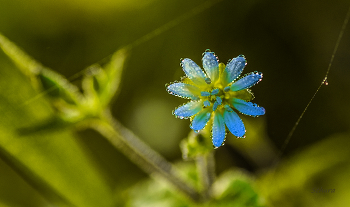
column 291, row 42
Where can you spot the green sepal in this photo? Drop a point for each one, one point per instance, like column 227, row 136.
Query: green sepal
column 58, row 87
column 196, row 144
column 103, row 82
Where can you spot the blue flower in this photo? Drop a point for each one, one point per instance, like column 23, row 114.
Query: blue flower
column 216, row 93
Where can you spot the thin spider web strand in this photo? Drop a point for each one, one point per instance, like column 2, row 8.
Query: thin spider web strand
column 204, row 6
column 346, row 20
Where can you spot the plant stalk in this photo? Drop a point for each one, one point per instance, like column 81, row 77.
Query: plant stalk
column 141, row 154
column 206, row 170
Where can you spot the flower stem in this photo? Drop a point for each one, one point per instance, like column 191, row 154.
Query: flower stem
column 206, row 170
column 141, row 154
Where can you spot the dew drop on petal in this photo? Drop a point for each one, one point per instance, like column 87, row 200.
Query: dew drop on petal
column 227, row 88
column 208, row 80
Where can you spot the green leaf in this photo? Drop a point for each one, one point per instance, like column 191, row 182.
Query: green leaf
column 235, row 188
column 62, row 92
column 304, row 178
column 158, row 192
column 53, row 163
column 232, row 188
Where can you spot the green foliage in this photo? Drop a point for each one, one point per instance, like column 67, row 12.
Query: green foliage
column 295, row 182
column 235, row 188
column 51, row 160
column 53, row 163
column 44, row 163
column 232, row 188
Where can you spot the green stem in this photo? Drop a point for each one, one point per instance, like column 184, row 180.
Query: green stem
column 206, row 170
column 140, row 153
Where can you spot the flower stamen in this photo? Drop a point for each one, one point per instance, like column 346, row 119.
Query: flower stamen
column 215, row 91
column 206, row 103
column 205, row 93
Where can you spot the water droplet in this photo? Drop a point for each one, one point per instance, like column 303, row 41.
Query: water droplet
column 325, row 81
column 207, row 80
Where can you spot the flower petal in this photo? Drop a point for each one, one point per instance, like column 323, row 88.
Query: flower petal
column 234, row 69
column 201, row 119
column 184, row 90
column 247, row 108
column 211, row 66
column 218, row 130
column 247, row 81
column 234, row 123
column 189, row 109
column 193, row 72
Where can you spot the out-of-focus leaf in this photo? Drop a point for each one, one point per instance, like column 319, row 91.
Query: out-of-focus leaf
column 256, row 147
column 53, row 163
column 306, row 178
column 51, row 83
column 157, row 192
column 18, row 192
column 235, row 188
column 232, row 188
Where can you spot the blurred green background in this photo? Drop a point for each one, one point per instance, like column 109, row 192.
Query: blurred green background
column 291, row 42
